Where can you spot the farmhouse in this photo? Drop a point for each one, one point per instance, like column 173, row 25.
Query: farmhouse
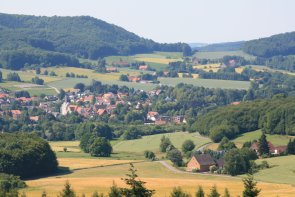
column 202, row 163
column 143, row 67
column 152, row 115
column 274, row 150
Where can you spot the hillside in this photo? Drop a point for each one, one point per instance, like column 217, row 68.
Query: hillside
column 281, row 44
column 227, row 46
column 60, row 40
column 273, row 116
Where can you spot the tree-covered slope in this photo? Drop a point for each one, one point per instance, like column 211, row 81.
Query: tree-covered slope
column 274, row 116
column 281, row 44
column 31, row 39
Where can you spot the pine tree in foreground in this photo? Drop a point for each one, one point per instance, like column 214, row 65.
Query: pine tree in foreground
column 67, row 191
column 178, row 192
column 137, row 187
column 115, row 191
column 250, row 189
column 200, row 192
column 214, row 192
column 226, row 193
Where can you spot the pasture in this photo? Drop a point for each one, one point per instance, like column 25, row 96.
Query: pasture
column 277, row 140
column 221, row 54
column 208, row 67
column 282, row 170
column 152, row 142
column 207, row 83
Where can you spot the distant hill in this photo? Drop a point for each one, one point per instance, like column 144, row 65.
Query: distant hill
column 226, row 46
column 280, row 44
column 59, row 40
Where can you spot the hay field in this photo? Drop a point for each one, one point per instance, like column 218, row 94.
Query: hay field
column 157, row 177
column 157, row 60
column 208, row 67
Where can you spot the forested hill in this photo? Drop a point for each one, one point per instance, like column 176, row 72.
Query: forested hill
column 281, row 44
column 58, row 40
column 275, row 116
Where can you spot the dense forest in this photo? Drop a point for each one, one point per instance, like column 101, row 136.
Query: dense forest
column 227, row 46
column 281, row 44
column 26, row 155
column 60, row 40
column 274, row 116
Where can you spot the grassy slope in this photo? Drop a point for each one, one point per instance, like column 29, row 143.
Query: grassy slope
column 277, row 140
column 282, row 170
column 152, row 142
column 220, row 54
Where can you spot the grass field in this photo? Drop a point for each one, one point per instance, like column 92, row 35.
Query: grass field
column 207, row 83
column 157, row 177
column 152, row 142
column 220, row 54
column 277, row 140
column 282, row 170
column 208, row 67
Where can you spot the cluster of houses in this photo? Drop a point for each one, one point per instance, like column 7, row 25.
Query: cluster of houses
column 87, row 105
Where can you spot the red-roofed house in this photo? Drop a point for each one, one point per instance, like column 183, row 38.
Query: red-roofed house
column 152, row 115
column 102, row 112
column 16, row 114
column 143, row 67
column 34, row 118
column 275, row 150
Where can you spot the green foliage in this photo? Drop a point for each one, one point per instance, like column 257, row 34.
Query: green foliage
column 131, row 133
column 137, row 187
column 263, row 148
column 100, row 147
column 26, row 155
column 175, row 156
column 273, row 116
column 178, row 192
column 10, row 184
column 226, row 144
column 149, row 155
column 58, row 46
column 250, row 189
column 123, row 78
column 200, row 192
column 291, row 147
column 165, row 142
column 13, row 77
column 1, row 77
column 37, row 81
column 214, row 192
column 67, row 191
column 187, row 146
column 226, row 193
column 115, row 191
column 238, row 161
column 281, row 44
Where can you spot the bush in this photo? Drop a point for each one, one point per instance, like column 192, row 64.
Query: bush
column 213, row 168
column 149, row 155
column 188, row 145
column 175, row 156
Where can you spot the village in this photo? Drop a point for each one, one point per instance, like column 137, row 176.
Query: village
column 85, row 104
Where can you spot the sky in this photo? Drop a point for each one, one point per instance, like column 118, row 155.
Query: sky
column 201, row 21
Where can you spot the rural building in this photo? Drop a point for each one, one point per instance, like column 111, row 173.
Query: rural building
column 275, row 150
column 143, row 67
column 179, row 119
column 152, row 115
column 202, row 163
column 16, row 114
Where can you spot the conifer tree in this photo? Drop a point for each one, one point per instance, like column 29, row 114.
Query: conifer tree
column 250, row 189
column 263, row 145
column 214, row 192
column 115, row 191
column 200, row 192
column 67, row 191
column 226, row 193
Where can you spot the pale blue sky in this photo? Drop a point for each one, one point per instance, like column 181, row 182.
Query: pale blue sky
column 206, row 21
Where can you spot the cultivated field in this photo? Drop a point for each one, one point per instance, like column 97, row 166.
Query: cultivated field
column 208, row 67
column 157, row 177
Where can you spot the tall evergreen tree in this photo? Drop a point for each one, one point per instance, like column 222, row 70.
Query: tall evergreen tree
column 250, row 189
column 214, row 192
column 67, row 191
column 263, row 145
column 226, row 193
column 137, row 187
column 200, row 192
column 115, row 191
column 291, row 147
